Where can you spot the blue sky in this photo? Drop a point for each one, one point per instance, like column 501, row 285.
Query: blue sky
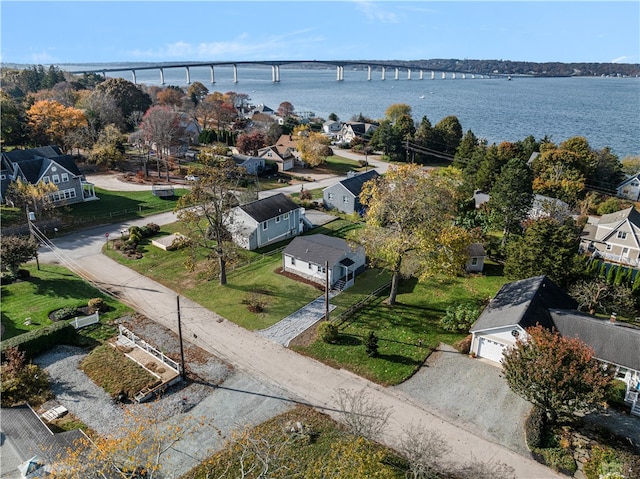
column 154, row 31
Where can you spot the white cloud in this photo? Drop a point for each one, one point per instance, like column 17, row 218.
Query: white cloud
column 373, row 12
column 42, row 58
column 622, row 59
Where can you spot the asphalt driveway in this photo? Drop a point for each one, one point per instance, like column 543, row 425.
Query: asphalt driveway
column 471, row 394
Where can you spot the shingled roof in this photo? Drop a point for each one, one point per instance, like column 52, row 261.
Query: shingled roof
column 317, row 249
column 354, row 184
column 526, row 302
column 270, row 207
column 616, row 343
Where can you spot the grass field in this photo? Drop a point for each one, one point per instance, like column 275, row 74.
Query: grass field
column 47, row 290
column 407, row 332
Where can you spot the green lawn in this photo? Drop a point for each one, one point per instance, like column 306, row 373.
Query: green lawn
column 407, row 331
column 51, row 288
column 120, row 205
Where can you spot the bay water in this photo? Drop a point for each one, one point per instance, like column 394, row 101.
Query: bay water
column 605, row 110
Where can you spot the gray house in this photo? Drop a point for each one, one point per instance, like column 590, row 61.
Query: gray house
column 312, row 257
column 46, row 164
column 344, row 195
column 265, row 221
column 614, row 237
column 252, row 164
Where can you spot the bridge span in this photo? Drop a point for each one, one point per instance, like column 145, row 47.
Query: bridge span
column 383, row 67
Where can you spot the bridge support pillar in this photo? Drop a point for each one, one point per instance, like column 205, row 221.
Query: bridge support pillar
column 213, row 75
column 188, row 73
column 161, row 76
column 433, row 75
column 397, row 73
column 133, row 75
column 235, row 73
column 444, row 75
column 408, row 73
column 453, row 75
column 275, row 73
column 421, row 75
column 383, row 72
column 368, row 72
column 339, row 73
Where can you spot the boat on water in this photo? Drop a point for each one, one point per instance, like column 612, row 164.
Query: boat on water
column 421, row 97
column 509, row 78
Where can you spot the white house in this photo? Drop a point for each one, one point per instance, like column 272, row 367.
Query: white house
column 629, row 189
column 309, row 257
column 265, row 221
column 546, row 206
column 476, row 253
column 532, row 301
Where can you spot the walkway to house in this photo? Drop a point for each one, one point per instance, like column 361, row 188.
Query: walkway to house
column 287, row 329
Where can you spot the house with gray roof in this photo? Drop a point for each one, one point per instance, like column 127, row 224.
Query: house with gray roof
column 629, row 189
column 526, row 303
column 253, row 164
column 28, row 446
column 614, row 237
column 265, row 221
column 315, row 257
column 46, row 164
column 345, row 194
column 476, row 255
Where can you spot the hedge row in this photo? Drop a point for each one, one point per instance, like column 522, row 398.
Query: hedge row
column 39, row 340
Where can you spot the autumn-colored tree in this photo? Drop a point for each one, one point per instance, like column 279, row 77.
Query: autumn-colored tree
column 197, row 92
column 595, row 295
column 51, row 123
column 170, row 96
column 558, row 374
column 110, row 147
column 250, row 143
column 314, row 148
column 135, row 451
column 100, row 109
column 285, row 109
column 22, row 382
column 22, row 194
column 205, row 213
column 161, row 126
column 409, row 223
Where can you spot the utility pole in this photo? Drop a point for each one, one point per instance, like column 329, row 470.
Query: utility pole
column 31, row 216
column 183, row 372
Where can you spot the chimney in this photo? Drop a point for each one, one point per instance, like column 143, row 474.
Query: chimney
column 612, row 318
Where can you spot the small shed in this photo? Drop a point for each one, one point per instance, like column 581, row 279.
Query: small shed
column 475, row 263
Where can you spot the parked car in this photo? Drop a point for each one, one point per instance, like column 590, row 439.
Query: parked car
column 192, row 178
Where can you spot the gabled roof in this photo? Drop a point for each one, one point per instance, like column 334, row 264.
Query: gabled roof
column 476, row 249
column 628, row 179
column 241, row 159
column 317, row 249
column 630, row 214
column 29, row 436
column 354, row 184
column 524, row 303
column 35, row 161
column 616, row 343
column 16, row 156
column 270, row 207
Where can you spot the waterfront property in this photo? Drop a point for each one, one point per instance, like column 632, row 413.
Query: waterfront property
column 629, row 189
column 265, row 221
column 48, row 165
column 321, row 257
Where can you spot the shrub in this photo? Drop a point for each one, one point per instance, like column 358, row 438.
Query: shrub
column 39, row 340
column 328, row 332
column 464, row 345
column 615, row 393
column 460, row 318
column 22, row 382
column 558, row 459
column 534, row 428
column 372, row 344
column 64, row 313
column 96, row 304
column 23, row 274
column 305, row 195
column 149, row 229
column 7, row 277
column 603, row 460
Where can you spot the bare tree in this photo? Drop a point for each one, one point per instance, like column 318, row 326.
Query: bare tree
column 362, row 416
column 424, row 450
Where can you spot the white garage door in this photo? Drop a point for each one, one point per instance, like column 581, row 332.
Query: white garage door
column 490, row 349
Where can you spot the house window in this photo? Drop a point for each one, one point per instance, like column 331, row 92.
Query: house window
column 625, row 252
column 330, row 196
column 345, row 199
column 622, row 235
column 609, row 247
column 45, row 180
column 64, row 176
column 278, row 219
column 3, row 177
column 293, row 261
column 310, row 266
column 56, row 179
column 286, row 216
column 265, row 225
column 474, row 261
column 322, row 269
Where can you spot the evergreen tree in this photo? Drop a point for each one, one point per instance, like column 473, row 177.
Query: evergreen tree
column 372, row 344
column 611, row 274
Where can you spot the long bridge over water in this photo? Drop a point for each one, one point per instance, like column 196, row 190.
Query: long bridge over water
column 384, row 68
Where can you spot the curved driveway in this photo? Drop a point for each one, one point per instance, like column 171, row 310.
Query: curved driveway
column 305, row 379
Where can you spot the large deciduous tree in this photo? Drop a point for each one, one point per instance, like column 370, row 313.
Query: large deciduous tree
column 205, row 213
column 51, row 123
column 250, row 143
column 16, row 250
column 314, row 148
column 409, row 223
column 161, row 126
column 558, row 374
column 23, row 194
column 128, row 96
column 109, row 149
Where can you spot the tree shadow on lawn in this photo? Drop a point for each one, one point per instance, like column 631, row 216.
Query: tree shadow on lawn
column 62, row 287
column 398, row 359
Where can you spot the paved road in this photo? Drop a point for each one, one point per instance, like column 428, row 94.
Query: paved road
column 305, row 379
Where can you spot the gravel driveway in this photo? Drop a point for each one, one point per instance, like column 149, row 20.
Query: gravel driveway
column 472, row 394
column 223, row 398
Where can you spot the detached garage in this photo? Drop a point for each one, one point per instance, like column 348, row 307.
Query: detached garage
column 517, row 306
